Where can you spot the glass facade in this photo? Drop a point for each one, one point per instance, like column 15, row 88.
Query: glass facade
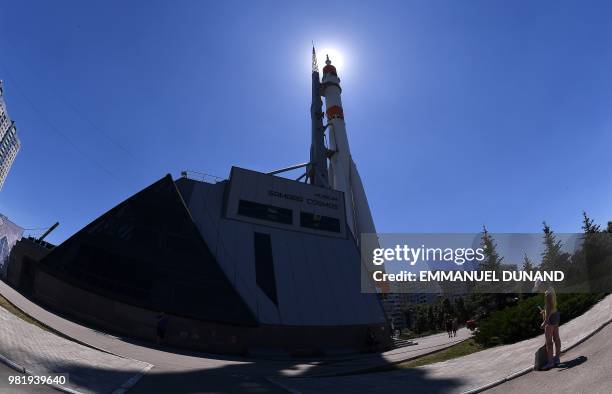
column 10, row 233
column 148, row 252
column 9, row 142
column 319, row 222
column 265, row 212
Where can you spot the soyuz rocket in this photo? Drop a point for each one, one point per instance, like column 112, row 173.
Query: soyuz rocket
column 341, row 172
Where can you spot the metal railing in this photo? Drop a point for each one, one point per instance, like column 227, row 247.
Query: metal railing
column 201, row 176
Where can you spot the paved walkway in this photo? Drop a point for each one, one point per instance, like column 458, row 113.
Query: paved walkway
column 181, row 371
column 178, row 361
column 585, row 369
column 43, row 353
column 7, row 388
column 424, row 345
column 458, row 375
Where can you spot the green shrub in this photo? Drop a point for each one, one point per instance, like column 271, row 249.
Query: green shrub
column 523, row 320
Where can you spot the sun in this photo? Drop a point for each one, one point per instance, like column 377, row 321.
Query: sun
column 334, row 55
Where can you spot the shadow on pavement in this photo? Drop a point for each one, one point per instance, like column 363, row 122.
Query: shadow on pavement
column 234, row 378
column 251, row 375
column 89, row 378
column 572, row 363
column 247, row 378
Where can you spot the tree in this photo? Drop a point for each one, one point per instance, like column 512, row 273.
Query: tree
column 596, row 256
column 492, row 260
column 527, row 264
column 460, row 310
column 431, row 318
column 588, row 224
column 552, row 256
column 526, row 287
column 447, row 307
column 493, row 295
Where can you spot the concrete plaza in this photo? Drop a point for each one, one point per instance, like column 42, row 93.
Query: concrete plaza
column 102, row 362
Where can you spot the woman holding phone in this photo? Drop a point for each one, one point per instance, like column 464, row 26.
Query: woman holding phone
column 550, row 323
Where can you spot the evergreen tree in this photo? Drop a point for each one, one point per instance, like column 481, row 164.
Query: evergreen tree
column 490, row 295
column 492, row 260
column 589, row 226
column 527, row 287
column 447, row 307
column 527, row 264
column 596, row 255
column 552, row 254
column 460, row 310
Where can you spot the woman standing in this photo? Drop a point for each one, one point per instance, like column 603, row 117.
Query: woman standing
column 550, row 323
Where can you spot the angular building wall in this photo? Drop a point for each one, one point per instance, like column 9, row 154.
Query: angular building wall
column 317, row 273
column 147, row 252
column 231, row 280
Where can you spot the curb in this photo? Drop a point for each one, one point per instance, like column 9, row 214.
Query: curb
column 381, row 368
column 283, row 386
column 354, row 372
column 530, row 369
column 128, row 384
column 53, row 330
column 23, row 370
column 477, row 389
column 122, row 389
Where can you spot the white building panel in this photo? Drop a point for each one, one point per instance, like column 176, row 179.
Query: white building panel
column 316, row 274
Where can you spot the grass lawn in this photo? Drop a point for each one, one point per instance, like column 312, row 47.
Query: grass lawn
column 461, row 349
column 4, row 303
column 421, row 334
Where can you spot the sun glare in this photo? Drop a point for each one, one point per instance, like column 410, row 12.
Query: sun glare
column 334, row 55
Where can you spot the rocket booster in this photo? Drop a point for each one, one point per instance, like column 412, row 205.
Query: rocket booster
column 317, row 168
column 343, row 174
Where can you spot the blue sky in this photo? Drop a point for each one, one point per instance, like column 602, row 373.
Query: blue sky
column 459, row 113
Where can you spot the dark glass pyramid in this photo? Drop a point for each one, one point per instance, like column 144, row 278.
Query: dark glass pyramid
column 148, row 252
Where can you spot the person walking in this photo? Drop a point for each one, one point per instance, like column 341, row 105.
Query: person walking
column 455, row 324
column 161, row 327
